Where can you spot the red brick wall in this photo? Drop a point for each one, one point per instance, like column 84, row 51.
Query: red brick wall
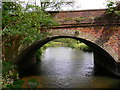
column 105, row 28
column 89, row 14
column 119, row 44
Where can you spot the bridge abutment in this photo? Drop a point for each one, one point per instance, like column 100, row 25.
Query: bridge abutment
column 107, row 64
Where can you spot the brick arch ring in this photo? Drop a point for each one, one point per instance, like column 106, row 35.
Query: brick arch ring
column 102, row 58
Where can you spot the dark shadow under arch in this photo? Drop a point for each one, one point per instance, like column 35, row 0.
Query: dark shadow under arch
column 27, row 57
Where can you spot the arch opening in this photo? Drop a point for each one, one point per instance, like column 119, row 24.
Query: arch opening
column 63, row 42
column 27, row 57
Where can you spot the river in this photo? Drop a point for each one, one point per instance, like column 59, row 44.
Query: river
column 64, row 67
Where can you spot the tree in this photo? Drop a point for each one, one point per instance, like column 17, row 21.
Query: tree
column 21, row 27
column 113, row 8
column 118, row 5
column 54, row 5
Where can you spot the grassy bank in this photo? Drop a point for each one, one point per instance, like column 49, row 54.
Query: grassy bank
column 66, row 42
column 81, row 46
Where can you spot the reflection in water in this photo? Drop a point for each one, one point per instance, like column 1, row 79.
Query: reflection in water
column 63, row 67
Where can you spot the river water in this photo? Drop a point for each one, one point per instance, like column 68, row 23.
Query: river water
column 63, row 67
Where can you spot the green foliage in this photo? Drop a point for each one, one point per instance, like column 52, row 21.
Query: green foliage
column 66, row 42
column 18, row 84
column 15, row 84
column 33, row 83
column 10, row 77
column 22, row 26
column 55, row 4
column 9, row 86
column 117, row 13
column 113, row 8
column 38, row 55
column 82, row 46
column 77, row 19
column 11, row 8
column 7, row 65
column 26, row 24
column 9, row 74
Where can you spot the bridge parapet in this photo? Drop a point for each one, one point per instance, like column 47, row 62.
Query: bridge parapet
column 97, row 26
column 83, row 17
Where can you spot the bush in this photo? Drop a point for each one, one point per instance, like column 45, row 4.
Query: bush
column 32, row 83
column 81, row 46
column 9, row 74
column 22, row 27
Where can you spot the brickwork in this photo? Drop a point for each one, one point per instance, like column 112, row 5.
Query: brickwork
column 69, row 17
column 92, row 25
column 108, row 40
column 119, row 44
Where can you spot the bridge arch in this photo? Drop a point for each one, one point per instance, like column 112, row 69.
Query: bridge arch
column 102, row 58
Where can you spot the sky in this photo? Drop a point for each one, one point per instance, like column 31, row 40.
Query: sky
column 81, row 4
column 87, row 4
column 90, row 4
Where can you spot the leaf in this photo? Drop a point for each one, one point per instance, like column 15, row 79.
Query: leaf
column 32, row 83
column 9, row 86
column 18, row 83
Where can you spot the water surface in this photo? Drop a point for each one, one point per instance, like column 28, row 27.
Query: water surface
column 63, row 67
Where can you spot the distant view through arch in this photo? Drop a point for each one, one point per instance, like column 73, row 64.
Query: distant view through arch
column 27, row 57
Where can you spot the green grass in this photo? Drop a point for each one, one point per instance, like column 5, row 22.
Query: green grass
column 81, row 46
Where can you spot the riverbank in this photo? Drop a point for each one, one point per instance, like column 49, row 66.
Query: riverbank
column 11, row 79
column 66, row 42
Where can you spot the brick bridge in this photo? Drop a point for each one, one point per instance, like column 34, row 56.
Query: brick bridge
column 98, row 30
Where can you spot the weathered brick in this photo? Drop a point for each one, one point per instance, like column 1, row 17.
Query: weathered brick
column 102, row 28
